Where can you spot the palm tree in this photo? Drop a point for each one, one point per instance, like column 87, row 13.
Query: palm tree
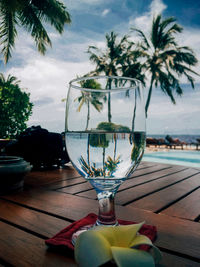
column 30, row 15
column 90, row 98
column 164, row 59
column 10, row 80
column 111, row 165
column 131, row 66
column 109, row 61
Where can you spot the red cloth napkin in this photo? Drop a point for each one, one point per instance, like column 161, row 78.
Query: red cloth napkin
column 63, row 238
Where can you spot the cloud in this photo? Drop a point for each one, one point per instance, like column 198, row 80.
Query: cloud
column 189, row 36
column 43, row 101
column 47, row 81
column 157, row 7
column 105, row 12
column 166, row 118
column 47, row 78
column 88, row 2
column 144, row 21
column 82, row 4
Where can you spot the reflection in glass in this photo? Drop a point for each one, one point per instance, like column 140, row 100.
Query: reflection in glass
column 105, row 134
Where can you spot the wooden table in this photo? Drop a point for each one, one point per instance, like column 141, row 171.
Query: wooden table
column 167, row 196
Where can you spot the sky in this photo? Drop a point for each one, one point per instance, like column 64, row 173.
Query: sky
column 46, row 78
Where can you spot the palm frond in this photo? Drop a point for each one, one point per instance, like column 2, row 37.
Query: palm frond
column 166, row 22
column 31, row 15
column 167, row 61
column 185, row 57
column 82, row 101
column 190, row 79
column 86, row 168
column 97, row 104
column 144, row 38
column 166, row 86
column 92, row 47
column 8, row 32
column 183, row 70
column 54, row 12
column 155, row 31
column 175, row 28
column 30, row 20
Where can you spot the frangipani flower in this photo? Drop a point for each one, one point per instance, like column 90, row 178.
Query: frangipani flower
column 102, row 244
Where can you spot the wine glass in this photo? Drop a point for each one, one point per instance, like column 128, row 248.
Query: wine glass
column 105, row 134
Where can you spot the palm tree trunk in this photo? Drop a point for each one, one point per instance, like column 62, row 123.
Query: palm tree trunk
column 88, row 116
column 109, row 100
column 88, row 150
column 149, row 95
column 134, row 112
column 109, row 108
column 104, row 161
column 115, row 145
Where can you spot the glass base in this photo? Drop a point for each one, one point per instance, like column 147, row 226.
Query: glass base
column 89, row 227
column 98, row 223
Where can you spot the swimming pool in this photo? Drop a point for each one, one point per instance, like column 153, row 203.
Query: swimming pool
column 185, row 158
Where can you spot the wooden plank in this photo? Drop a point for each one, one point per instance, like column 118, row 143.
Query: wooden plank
column 69, row 182
column 91, row 194
column 152, row 169
column 140, row 171
column 76, row 188
column 40, row 223
column 145, row 164
column 149, row 176
column 40, row 178
column 131, row 194
column 144, row 177
column 187, row 208
column 19, row 248
column 65, row 183
column 169, row 260
column 173, row 234
column 54, row 179
column 46, row 177
column 160, row 199
column 144, row 174
column 60, row 204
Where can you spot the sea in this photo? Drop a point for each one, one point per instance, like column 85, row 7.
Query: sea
column 182, row 137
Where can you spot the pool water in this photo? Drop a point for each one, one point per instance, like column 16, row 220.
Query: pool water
column 185, row 158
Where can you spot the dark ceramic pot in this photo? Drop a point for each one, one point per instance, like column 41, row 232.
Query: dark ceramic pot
column 12, row 172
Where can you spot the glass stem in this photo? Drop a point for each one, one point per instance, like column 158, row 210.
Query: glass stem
column 106, row 214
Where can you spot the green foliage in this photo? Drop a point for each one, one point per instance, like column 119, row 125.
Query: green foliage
column 112, row 164
column 88, row 98
column 30, row 15
column 15, row 107
column 99, row 140
column 112, row 127
column 92, row 171
column 118, row 59
column 90, row 83
column 164, row 60
column 102, row 139
column 109, row 168
column 157, row 56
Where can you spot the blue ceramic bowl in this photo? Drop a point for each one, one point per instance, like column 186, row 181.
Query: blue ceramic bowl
column 12, row 172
